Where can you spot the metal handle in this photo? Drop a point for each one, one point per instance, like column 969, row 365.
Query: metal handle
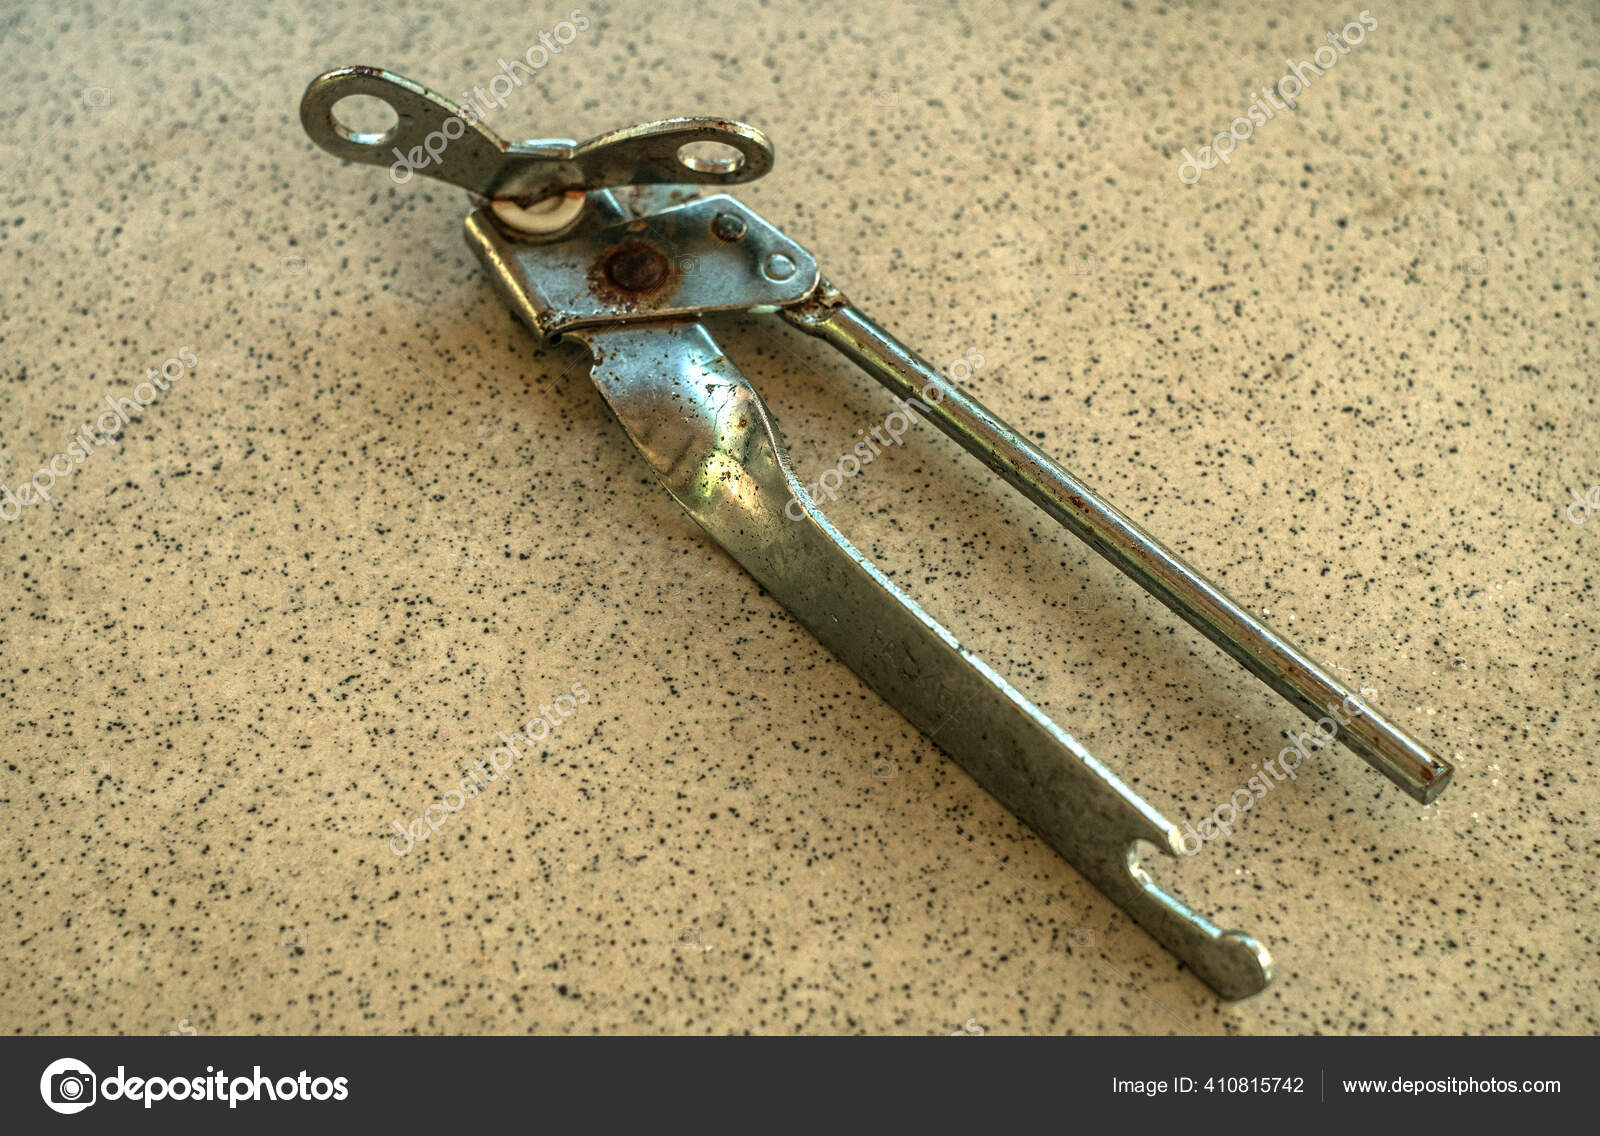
column 1134, row 552
column 705, row 431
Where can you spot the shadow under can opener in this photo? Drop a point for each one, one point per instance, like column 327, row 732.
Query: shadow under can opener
column 587, row 242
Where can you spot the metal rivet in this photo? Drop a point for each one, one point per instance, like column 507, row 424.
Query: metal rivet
column 778, row 266
column 728, row 226
column 636, row 267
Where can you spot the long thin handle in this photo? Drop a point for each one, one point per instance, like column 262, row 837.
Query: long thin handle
column 1110, row 532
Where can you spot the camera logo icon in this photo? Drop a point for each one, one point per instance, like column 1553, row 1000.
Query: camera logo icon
column 68, row 1085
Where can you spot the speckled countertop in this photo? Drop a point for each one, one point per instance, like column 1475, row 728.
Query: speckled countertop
column 371, row 523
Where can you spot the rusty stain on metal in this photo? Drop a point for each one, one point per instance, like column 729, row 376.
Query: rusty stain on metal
column 632, row 272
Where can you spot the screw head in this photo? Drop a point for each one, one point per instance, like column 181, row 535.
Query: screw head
column 728, row 226
column 778, row 266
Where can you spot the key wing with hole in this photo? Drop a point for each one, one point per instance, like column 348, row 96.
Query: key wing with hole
column 435, row 138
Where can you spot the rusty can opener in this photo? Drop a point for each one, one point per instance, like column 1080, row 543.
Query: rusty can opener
column 587, row 242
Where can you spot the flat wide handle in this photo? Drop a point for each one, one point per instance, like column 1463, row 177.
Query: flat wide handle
column 709, row 437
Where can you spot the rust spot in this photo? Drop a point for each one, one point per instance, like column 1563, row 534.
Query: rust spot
column 631, row 272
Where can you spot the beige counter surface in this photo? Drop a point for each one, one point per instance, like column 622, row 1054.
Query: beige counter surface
column 371, row 523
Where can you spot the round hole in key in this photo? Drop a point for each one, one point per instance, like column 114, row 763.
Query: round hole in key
column 365, row 120
column 710, row 157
